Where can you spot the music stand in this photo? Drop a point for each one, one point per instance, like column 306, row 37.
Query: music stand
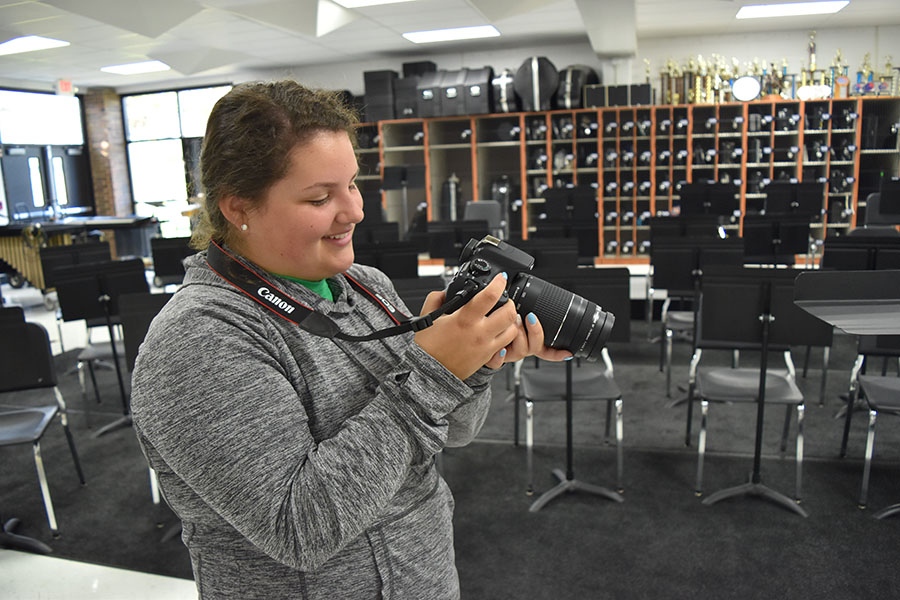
column 775, row 239
column 91, row 291
column 776, row 300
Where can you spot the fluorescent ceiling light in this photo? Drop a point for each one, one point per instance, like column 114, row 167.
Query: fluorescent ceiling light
column 362, row 3
column 29, row 43
column 147, row 66
column 792, row 9
column 458, row 33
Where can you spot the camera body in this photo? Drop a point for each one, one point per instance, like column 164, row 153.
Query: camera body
column 483, row 260
column 570, row 322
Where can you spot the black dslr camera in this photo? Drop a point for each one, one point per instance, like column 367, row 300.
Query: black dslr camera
column 570, row 322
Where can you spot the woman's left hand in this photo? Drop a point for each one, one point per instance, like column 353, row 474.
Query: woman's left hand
column 528, row 342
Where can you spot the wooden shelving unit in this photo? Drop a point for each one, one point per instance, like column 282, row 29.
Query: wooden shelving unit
column 637, row 157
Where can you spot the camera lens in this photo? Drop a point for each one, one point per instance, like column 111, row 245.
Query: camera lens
column 570, row 322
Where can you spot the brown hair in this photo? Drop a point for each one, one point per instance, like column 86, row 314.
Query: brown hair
column 249, row 137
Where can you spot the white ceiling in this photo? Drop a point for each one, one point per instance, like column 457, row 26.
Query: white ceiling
column 225, row 37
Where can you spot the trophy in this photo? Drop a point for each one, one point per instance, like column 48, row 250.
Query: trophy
column 886, row 79
column 865, row 83
column 840, row 82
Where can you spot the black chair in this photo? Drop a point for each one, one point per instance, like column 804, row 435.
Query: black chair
column 137, row 311
column 610, row 289
column 869, row 347
column 168, row 255
column 58, row 259
column 749, row 309
column 27, row 363
column 91, row 291
column 677, row 266
column 882, row 395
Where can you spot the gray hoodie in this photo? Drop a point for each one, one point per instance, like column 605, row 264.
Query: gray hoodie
column 302, row 467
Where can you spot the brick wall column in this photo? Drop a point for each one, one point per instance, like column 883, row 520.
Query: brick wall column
column 106, row 145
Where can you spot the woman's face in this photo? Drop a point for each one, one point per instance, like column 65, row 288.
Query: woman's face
column 304, row 225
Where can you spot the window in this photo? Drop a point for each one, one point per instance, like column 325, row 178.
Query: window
column 161, row 130
column 40, row 119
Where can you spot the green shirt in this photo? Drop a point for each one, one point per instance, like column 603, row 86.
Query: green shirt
column 320, row 287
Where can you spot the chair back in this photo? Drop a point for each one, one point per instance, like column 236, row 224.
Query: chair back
column 136, row 312
column 879, row 345
column 26, row 360
column 80, row 288
column 12, row 314
column 485, row 210
column 168, row 254
column 861, row 252
column 733, row 299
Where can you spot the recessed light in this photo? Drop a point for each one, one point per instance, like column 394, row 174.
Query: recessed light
column 791, row 9
column 362, row 3
column 147, row 66
column 29, row 43
column 458, row 33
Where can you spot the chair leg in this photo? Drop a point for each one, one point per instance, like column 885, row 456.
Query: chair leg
column 786, row 430
column 64, row 421
column 701, row 446
column 516, row 417
column 154, row 486
column 619, row 450
column 609, row 405
column 662, row 347
column 852, row 397
column 806, row 360
column 90, row 365
column 690, row 415
column 801, row 411
column 45, row 489
column 826, row 359
column 669, row 342
column 529, row 444
column 867, row 469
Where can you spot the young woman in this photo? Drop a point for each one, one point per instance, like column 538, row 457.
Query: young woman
column 303, row 466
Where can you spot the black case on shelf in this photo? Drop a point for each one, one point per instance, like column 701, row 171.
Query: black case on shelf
column 594, row 96
column 453, row 93
column 535, row 82
column 379, row 98
column 406, row 97
column 415, row 69
column 479, row 92
column 504, row 92
column 617, row 95
column 429, row 94
column 640, row 94
column 572, row 79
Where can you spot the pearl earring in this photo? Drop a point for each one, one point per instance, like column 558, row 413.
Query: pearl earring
column 244, row 227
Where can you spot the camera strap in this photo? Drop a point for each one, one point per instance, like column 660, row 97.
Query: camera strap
column 266, row 294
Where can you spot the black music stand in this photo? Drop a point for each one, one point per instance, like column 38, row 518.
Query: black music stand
column 91, row 291
column 567, row 481
column 775, row 240
column 772, row 284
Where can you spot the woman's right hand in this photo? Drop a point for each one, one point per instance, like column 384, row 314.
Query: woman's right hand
column 467, row 339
